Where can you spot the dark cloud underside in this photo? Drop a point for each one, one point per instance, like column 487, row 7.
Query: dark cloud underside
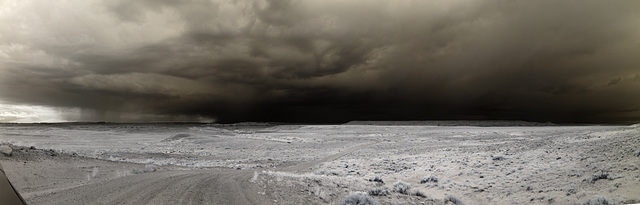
column 324, row 61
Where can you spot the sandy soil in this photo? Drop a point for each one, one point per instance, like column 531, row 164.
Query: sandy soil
column 321, row 164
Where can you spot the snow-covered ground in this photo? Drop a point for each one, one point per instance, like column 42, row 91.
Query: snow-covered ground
column 478, row 165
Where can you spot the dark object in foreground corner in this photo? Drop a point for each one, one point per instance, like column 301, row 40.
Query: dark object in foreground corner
column 8, row 194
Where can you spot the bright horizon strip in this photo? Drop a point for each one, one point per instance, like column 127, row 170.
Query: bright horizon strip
column 29, row 114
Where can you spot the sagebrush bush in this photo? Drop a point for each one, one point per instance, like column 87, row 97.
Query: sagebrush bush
column 377, row 179
column 602, row 175
column 401, row 187
column 599, row 200
column 147, row 168
column 378, row 192
column 359, row 198
column 498, row 158
column 597, row 177
column 453, row 199
column 429, row 179
column 419, row 193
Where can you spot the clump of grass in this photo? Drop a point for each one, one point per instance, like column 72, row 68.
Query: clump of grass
column 147, row 168
column 453, row 200
column 378, row 192
column 419, row 193
column 498, row 158
column 401, row 187
column 429, row 179
column 359, row 198
column 599, row 200
column 604, row 175
column 600, row 176
column 377, row 179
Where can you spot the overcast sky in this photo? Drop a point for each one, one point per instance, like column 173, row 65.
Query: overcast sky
column 319, row 61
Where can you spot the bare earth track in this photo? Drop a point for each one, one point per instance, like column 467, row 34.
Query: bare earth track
column 167, row 187
column 214, row 186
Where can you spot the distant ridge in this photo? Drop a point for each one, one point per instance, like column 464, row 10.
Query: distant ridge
column 475, row 123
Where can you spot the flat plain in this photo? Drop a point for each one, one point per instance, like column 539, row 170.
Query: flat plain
column 263, row 163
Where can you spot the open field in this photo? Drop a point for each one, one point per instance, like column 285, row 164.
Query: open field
column 391, row 163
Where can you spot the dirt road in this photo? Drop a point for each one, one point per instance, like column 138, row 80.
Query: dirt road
column 169, row 187
column 175, row 187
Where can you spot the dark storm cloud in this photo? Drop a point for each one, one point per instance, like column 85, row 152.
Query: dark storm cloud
column 280, row 60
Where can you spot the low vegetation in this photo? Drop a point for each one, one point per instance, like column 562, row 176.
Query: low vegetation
column 599, row 200
column 378, row 192
column 429, row 179
column 359, row 198
column 377, row 179
column 147, row 168
column 498, row 158
column 419, row 193
column 401, row 187
column 452, row 200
